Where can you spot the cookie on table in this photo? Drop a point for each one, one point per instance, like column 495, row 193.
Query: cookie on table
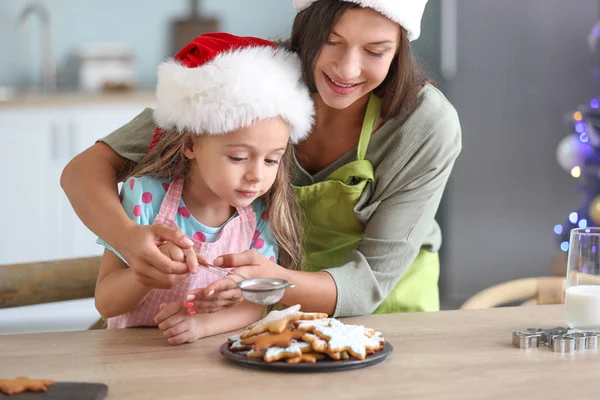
column 22, row 384
column 264, row 341
column 277, row 321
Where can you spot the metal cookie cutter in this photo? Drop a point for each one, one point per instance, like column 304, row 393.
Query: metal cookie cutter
column 558, row 344
column 557, row 331
column 258, row 291
column 525, row 340
column 559, row 339
column 580, row 340
column 569, row 343
column 591, row 340
column 544, row 337
column 575, row 341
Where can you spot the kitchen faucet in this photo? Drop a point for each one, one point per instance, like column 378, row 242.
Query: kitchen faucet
column 48, row 65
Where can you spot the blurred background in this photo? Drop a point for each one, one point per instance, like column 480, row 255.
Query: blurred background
column 521, row 73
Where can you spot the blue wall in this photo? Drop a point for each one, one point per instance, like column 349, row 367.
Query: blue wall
column 142, row 24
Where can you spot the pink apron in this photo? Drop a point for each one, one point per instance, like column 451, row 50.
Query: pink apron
column 235, row 237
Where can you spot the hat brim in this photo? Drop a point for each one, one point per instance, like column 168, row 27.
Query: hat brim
column 232, row 91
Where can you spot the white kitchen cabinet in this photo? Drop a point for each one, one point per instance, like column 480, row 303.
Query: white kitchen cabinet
column 92, row 123
column 36, row 143
column 30, row 150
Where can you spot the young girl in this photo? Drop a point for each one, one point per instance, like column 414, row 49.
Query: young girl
column 227, row 109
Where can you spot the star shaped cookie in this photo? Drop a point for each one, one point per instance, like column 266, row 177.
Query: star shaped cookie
column 22, row 384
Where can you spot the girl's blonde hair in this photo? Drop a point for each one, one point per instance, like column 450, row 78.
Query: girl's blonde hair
column 167, row 161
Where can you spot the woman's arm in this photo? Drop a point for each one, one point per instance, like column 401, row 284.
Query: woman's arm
column 399, row 217
column 90, row 183
column 314, row 291
column 397, row 220
column 117, row 289
column 393, row 235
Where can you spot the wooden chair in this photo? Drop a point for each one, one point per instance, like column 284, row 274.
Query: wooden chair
column 51, row 281
column 527, row 291
column 558, row 264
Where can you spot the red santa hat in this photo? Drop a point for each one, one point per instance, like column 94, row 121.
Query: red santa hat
column 220, row 82
column 407, row 13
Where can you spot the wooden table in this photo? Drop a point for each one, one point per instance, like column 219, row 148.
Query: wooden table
column 444, row 355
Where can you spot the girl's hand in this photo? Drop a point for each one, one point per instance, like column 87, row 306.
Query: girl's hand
column 177, row 254
column 177, row 325
column 189, row 256
column 224, row 293
column 207, row 301
column 172, row 251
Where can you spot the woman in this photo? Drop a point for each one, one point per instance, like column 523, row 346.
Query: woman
column 369, row 178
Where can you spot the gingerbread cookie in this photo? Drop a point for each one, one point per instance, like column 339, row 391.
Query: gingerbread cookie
column 294, row 350
column 350, row 338
column 309, row 325
column 322, row 346
column 296, row 337
column 277, row 320
column 256, row 354
column 306, row 358
column 263, row 342
column 22, row 384
column 239, row 346
column 319, row 345
column 234, row 338
column 379, row 338
column 236, row 345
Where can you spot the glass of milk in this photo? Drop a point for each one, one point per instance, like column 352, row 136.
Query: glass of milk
column 582, row 300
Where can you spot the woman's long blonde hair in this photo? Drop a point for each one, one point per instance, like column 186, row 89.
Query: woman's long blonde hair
column 167, row 161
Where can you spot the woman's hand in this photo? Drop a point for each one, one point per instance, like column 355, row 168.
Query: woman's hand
column 224, row 293
column 140, row 246
column 177, row 325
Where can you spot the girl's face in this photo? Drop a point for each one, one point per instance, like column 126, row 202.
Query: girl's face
column 239, row 166
column 357, row 56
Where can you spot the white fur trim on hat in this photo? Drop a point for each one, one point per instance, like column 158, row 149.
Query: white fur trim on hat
column 233, row 90
column 407, row 13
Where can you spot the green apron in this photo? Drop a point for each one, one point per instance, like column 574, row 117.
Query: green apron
column 332, row 229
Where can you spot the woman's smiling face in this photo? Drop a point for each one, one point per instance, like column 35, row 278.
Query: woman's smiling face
column 356, row 57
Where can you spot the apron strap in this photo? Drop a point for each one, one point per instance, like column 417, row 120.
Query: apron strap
column 170, row 204
column 371, row 117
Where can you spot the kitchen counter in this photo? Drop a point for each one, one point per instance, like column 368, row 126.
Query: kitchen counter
column 69, row 99
column 447, row 355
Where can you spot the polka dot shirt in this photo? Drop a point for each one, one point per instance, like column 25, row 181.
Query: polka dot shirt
column 142, row 198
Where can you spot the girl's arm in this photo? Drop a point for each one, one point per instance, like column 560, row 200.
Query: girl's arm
column 178, row 327
column 231, row 319
column 117, row 289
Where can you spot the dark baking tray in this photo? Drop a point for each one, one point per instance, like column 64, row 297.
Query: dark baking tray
column 320, row 366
